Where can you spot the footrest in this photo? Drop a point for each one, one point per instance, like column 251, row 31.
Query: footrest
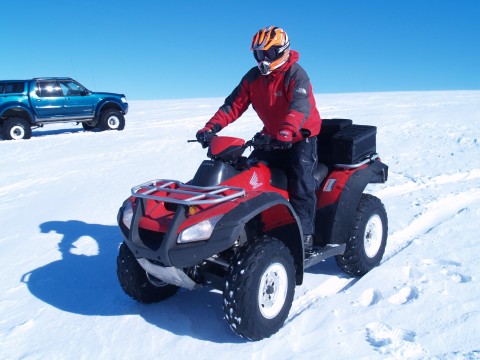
column 319, row 253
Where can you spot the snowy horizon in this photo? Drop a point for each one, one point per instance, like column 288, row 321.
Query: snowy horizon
column 59, row 196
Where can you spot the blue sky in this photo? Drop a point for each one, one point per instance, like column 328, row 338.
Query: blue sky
column 194, row 49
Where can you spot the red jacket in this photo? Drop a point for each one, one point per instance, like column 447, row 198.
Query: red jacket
column 283, row 100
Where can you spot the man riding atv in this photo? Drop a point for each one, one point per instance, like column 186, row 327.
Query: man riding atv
column 281, row 94
column 244, row 226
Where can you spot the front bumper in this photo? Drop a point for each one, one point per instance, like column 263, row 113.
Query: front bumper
column 163, row 249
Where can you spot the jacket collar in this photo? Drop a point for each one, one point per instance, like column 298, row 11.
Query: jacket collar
column 293, row 58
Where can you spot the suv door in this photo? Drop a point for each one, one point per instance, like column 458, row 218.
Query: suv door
column 78, row 100
column 49, row 100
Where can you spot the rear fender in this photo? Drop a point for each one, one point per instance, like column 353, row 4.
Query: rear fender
column 339, row 216
column 16, row 110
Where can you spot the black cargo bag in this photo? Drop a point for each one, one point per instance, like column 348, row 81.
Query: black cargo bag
column 353, row 143
column 325, row 138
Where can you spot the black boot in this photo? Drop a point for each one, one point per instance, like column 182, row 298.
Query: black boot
column 308, row 243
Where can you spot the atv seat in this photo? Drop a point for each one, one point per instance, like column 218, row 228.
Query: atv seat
column 279, row 178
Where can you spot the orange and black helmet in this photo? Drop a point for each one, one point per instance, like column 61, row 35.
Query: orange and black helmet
column 271, row 48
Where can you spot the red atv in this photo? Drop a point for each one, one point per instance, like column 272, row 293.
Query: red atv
column 232, row 228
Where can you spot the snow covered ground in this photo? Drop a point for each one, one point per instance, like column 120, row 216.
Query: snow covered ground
column 59, row 196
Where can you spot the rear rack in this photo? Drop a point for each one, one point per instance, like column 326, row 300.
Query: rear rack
column 354, row 166
column 199, row 195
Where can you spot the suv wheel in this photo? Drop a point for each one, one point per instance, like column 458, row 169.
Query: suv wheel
column 259, row 288
column 16, row 129
column 112, row 120
column 368, row 237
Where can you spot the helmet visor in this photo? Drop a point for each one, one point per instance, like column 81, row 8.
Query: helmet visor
column 268, row 55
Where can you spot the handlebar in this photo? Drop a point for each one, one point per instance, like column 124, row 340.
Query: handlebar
column 264, row 143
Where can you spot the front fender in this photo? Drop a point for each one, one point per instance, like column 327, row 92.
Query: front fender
column 110, row 102
column 224, row 236
column 230, row 227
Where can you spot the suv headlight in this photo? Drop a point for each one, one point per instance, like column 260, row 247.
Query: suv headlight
column 127, row 214
column 201, row 231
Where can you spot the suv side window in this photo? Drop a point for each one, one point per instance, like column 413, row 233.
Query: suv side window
column 48, row 89
column 72, row 88
column 12, row 87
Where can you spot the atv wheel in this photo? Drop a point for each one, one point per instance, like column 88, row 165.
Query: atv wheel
column 259, row 288
column 368, row 237
column 16, row 128
column 112, row 120
column 135, row 281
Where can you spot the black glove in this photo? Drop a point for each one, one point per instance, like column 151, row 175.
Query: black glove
column 281, row 145
column 205, row 136
column 262, row 142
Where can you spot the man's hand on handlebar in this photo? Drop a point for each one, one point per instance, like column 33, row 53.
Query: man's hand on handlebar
column 262, row 142
column 265, row 143
column 205, row 136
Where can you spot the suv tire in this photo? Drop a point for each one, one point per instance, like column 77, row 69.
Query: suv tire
column 112, row 120
column 16, row 128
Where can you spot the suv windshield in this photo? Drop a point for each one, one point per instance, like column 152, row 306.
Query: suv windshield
column 72, row 88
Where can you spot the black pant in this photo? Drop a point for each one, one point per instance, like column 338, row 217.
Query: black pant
column 299, row 163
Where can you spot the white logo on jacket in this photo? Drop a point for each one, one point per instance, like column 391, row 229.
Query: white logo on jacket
column 254, row 181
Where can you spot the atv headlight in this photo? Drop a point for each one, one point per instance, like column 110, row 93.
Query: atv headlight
column 127, row 214
column 201, row 231
column 123, row 99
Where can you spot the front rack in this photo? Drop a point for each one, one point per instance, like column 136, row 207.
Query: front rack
column 198, row 195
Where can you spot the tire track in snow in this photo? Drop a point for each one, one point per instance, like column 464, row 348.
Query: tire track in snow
column 419, row 183
column 437, row 212
column 333, row 285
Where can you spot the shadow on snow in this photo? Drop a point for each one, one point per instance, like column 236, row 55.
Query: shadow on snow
column 88, row 285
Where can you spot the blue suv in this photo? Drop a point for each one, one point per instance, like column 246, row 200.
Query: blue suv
column 27, row 104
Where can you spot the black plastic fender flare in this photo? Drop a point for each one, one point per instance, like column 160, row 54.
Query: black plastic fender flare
column 20, row 108
column 376, row 172
column 225, row 234
column 228, row 230
column 106, row 103
column 230, row 227
column 291, row 234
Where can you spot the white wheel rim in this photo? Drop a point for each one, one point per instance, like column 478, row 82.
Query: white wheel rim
column 372, row 238
column 272, row 291
column 113, row 122
column 17, row 132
